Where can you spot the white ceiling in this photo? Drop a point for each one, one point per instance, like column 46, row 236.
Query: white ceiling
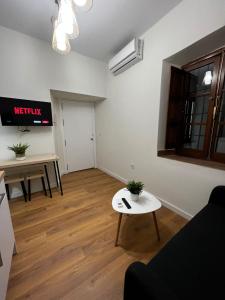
column 103, row 30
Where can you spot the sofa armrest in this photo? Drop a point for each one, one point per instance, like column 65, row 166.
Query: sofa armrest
column 218, row 196
column 142, row 284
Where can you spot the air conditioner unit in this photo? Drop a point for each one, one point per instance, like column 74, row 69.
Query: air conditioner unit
column 127, row 57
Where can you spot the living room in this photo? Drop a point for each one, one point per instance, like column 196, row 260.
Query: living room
column 78, row 239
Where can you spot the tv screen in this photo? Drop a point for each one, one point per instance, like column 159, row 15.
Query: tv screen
column 18, row 112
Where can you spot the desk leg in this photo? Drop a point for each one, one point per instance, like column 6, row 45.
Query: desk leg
column 156, row 225
column 59, row 177
column 56, row 176
column 118, row 229
column 46, row 174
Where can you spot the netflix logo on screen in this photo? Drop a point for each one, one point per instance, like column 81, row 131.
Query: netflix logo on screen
column 18, row 112
column 27, row 111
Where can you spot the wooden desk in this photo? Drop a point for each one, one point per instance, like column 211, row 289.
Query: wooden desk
column 43, row 159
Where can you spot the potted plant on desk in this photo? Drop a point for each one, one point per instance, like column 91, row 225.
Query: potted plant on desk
column 19, row 150
column 135, row 189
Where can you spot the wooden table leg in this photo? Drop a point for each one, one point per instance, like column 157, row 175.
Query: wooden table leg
column 156, row 225
column 118, row 229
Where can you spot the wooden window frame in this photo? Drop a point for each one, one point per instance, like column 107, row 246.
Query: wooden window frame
column 208, row 152
column 213, row 154
column 204, row 153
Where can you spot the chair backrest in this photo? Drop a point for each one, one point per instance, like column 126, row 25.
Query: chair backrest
column 35, row 174
column 13, row 179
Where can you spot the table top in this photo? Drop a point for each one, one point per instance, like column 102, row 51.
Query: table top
column 145, row 204
column 30, row 160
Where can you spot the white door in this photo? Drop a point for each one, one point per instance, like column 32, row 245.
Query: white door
column 78, row 119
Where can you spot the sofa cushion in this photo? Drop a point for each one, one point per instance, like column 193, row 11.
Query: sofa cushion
column 192, row 264
column 141, row 281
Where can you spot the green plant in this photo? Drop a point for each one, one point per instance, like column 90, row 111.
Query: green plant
column 19, row 149
column 135, row 187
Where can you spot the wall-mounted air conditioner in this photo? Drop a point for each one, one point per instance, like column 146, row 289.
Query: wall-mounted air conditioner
column 127, row 57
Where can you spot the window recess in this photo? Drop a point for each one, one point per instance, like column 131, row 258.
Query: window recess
column 196, row 111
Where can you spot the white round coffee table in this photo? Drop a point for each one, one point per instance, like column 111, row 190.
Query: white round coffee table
column 147, row 203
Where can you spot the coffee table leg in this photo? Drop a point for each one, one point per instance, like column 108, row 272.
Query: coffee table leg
column 118, row 229
column 156, row 225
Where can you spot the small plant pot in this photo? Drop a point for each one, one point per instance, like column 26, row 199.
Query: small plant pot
column 134, row 197
column 20, row 156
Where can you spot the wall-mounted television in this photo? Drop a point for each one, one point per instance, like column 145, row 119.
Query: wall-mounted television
column 18, row 112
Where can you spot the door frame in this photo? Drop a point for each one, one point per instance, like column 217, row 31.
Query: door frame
column 63, row 131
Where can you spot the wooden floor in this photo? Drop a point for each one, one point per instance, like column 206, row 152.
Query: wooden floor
column 66, row 244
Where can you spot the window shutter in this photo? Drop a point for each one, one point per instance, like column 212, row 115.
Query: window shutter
column 175, row 117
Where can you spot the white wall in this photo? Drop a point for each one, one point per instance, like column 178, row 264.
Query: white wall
column 29, row 68
column 127, row 122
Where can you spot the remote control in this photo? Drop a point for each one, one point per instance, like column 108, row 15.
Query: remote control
column 126, row 203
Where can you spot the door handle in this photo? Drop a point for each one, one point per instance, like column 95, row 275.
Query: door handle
column 92, row 139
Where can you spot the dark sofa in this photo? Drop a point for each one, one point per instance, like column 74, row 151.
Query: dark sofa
column 191, row 265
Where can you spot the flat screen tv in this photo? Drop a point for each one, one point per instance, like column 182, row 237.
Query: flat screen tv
column 18, row 112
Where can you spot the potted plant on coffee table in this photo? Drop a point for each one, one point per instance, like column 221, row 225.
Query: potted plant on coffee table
column 19, row 150
column 135, row 188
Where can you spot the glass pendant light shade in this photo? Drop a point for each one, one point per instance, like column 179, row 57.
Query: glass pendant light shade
column 60, row 42
column 83, row 5
column 67, row 19
column 208, row 78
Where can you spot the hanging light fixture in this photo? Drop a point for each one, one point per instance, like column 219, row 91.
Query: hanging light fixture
column 84, row 5
column 65, row 26
column 208, row 78
column 60, row 42
column 67, row 19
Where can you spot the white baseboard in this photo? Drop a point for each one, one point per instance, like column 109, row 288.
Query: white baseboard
column 113, row 175
column 16, row 194
column 176, row 209
column 165, row 203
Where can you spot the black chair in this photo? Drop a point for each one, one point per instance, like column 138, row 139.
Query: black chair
column 11, row 179
column 38, row 174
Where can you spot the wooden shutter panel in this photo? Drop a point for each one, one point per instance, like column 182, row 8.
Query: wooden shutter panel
column 175, row 117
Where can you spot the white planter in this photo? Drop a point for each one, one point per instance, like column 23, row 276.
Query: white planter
column 134, row 197
column 20, row 157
